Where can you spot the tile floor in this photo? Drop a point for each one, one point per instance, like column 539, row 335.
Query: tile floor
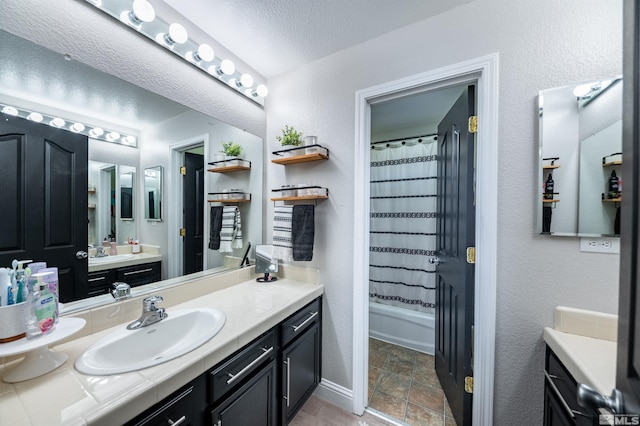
column 403, row 384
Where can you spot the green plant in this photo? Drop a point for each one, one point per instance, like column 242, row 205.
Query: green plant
column 231, row 149
column 290, row 137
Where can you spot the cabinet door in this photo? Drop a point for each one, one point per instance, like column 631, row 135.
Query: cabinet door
column 176, row 410
column 139, row 274
column 252, row 404
column 554, row 412
column 100, row 282
column 300, row 371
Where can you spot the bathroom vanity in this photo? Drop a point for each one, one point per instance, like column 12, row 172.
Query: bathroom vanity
column 581, row 348
column 259, row 369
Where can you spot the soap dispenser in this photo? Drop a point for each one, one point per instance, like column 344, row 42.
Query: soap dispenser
column 548, row 188
column 614, row 186
column 43, row 306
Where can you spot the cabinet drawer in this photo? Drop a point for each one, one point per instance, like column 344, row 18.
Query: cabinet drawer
column 100, row 282
column 139, row 274
column 242, row 365
column 300, row 321
column 175, row 410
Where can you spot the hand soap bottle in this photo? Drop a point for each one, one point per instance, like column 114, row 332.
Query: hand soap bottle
column 41, row 315
column 548, row 188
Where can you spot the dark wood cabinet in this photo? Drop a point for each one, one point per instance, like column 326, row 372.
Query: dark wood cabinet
column 100, row 282
column 560, row 396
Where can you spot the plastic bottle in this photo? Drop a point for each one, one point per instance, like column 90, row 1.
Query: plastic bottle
column 21, row 280
column 614, row 186
column 42, row 309
column 548, row 188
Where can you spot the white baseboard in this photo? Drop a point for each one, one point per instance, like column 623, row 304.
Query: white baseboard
column 335, row 394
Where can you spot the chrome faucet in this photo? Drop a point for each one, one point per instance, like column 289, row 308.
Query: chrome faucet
column 100, row 252
column 151, row 314
column 121, row 291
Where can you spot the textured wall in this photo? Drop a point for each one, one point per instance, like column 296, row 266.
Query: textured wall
column 541, row 45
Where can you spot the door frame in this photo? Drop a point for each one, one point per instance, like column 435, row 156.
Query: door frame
column 483, row 72
column 175, row 200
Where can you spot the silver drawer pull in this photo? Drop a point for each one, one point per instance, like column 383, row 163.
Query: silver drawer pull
column 177, row 422
column 568, row 409
column 139, row 272
column 298, row 327
column 234, row 377
column 97, row 279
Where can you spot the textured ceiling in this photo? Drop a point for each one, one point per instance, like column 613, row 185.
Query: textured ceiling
column 274, row 36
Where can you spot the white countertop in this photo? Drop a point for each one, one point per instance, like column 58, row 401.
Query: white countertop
column 585, row 343
column 67, row 397
column 136, row 259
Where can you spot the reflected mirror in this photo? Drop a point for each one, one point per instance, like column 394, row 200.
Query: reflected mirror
column 580, row 157
column 153, row 193
column 37, row 79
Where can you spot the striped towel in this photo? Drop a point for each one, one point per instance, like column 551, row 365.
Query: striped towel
column 231, row 230
column 282, row 240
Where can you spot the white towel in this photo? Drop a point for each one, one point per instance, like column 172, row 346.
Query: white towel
column 231, row 231
column 282, row 241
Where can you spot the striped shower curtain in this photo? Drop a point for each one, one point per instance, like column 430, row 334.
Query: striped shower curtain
column 403, row 224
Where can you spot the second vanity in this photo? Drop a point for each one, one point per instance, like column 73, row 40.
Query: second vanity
column 270, row 342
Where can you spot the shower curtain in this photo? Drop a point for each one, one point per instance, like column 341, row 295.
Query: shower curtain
column 403, row 224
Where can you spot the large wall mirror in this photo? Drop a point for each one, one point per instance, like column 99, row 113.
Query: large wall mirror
column 580, row 159
column 134, row 189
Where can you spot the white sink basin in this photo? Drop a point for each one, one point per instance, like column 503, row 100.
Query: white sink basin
column 109, row 259
column 129, row 350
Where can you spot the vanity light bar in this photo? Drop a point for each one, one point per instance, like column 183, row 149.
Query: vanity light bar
column 93, row 132
column 141, row 16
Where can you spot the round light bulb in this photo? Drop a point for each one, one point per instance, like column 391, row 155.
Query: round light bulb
column 143, row 11
column 113, row 136
column 227, row 67
column 246, row 80
column 177, row 34
column 35, row 116
column 131, row 140
column 57, row 122
column 262, row 91
column 77, row 127
column 582, row 90
column 204, row 53
column 96, row 132
column 9, row 110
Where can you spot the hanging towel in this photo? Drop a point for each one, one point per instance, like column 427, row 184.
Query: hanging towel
column 231, row 231
column 282, row 247
column 302, row 232
column 215, row 225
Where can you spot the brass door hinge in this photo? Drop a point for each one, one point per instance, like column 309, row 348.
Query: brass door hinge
column 183, row 171
column 468, row 384
column 473, row 124
column 183, row 232
column 471, row 255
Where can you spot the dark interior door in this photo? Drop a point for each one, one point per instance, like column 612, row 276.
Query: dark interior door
column 43, row 217
column 193, row 207
column 454, row 275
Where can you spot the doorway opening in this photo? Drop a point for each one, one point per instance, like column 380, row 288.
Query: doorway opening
column 402, row 380
column 483, row 73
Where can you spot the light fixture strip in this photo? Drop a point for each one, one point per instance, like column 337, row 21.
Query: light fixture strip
column 94, row 132
column 140, row 16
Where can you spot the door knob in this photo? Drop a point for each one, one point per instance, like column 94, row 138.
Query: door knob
column 435, row 261
column 81, row 254
column 590, row 398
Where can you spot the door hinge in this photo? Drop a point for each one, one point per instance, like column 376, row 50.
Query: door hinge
column 471, row 255
column 183, row 171
column 468, row 384
column 183, row 232
column 473, row 124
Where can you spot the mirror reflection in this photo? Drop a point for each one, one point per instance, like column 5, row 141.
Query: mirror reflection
column 580, row 158
column 36, row 79
column 153, row 193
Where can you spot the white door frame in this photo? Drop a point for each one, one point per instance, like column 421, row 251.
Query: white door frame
column 483, row 71
column 174, row 221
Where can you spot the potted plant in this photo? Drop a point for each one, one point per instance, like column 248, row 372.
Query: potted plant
column 232, row 151
column 290, row 137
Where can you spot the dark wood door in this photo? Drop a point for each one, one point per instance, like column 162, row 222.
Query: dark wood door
column 193, row 207
column 628, row 363
column 454, row 275
column 43, row 216
column 253, row 404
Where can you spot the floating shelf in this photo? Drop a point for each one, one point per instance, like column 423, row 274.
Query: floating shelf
column 240, row 197
column 612, row 200
column 612, row 163
column 91, row 206
column 555, row 166
column 223, row 168
column 322, row 196
column 550, row 201
column 229, row 200
column 301, row 158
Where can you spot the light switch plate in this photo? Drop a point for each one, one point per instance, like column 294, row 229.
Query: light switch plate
column 600, row 244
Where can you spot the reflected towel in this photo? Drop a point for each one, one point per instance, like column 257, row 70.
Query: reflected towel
column 231, row 231
column 215, row 225
column 282, row 247
column 302, row 232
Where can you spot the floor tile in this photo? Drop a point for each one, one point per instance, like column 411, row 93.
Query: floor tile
column 398, row 365
column 404, row 354
column 393, row 384
column 394, row 407
column 426, row 376
column 419, row 416
column 377, row 357
column 374, row 373
column 427, row 397
column 425, row 360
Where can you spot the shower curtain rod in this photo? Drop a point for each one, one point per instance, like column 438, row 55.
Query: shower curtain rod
column 403, row 139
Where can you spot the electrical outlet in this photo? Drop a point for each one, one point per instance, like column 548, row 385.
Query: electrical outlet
column 600, row 244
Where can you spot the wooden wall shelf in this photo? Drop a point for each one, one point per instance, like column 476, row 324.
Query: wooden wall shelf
column 612, row 163
column 302, row 197
column 550, row 201
column 612, row 200
column 228, row 169
column 305, row 158
column 229, row 201
column 555, row 166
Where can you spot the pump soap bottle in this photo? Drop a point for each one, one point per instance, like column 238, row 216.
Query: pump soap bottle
column 614, row 186
column 41, row 317
column 548, row 188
